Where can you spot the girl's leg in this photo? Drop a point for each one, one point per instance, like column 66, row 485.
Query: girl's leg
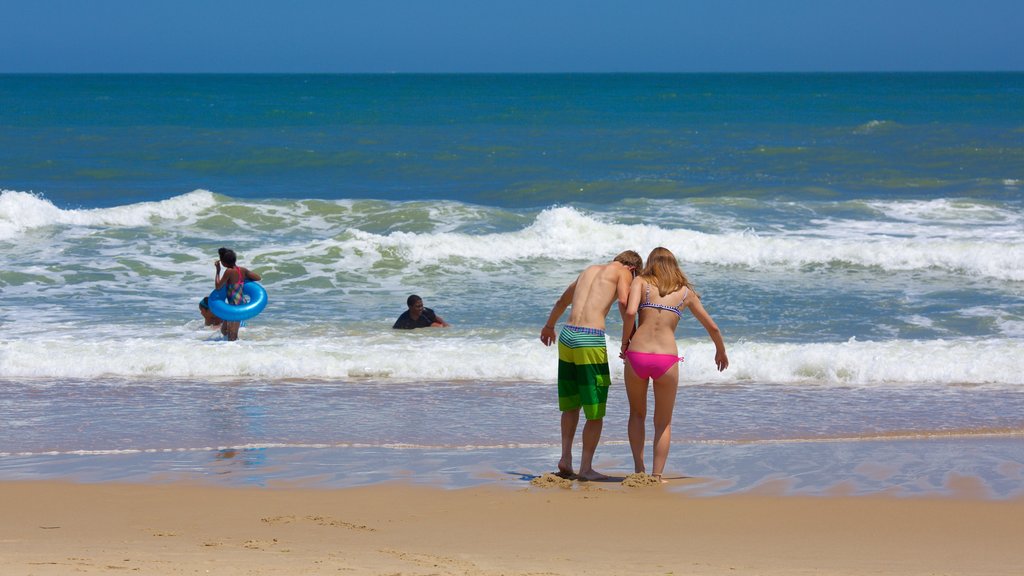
column 232, row 330
column 636, row 393
column 665, row 387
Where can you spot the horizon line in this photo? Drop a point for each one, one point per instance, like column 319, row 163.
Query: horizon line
column 504, row 73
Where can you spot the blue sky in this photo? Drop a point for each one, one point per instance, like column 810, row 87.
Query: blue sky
column 510, row 36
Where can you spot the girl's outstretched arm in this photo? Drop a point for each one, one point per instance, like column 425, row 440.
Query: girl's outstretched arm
column 702, row 316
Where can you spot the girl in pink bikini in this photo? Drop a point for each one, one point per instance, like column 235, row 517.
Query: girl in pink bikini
column 235, row 277
column 650, row 351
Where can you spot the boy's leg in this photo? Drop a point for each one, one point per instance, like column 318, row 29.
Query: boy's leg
column 594, row 380
column 591, row 437
column 568, row 399
column 570, row 419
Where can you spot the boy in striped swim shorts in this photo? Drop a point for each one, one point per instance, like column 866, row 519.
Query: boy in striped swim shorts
column 583, row 378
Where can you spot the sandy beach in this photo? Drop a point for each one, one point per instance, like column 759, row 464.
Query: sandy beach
column 63, row 528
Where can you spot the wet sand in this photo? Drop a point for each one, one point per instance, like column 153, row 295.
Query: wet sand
column 55, row 527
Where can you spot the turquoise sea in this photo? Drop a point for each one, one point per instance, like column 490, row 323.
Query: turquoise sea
column 859, row 238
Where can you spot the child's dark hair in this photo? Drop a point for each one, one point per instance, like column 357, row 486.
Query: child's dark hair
column 227, row 257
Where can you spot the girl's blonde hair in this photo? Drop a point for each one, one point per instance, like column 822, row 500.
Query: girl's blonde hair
column 663, row 271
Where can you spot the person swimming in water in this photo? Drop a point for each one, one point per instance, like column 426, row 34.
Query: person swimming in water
column 209, row 318
column 650, row 352
column 418, row 316
column 234, row 277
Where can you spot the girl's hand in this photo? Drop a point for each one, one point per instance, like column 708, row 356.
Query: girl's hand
column 721, row 360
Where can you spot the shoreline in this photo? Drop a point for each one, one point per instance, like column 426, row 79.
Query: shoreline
column 53, row 527
column 901, row 467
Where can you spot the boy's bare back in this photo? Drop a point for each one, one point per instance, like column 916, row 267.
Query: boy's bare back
column 596, row 288
column 592, row 293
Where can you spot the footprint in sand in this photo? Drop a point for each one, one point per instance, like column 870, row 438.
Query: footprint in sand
column 433, row 560
column 259, row 544
column 321, row 520
column 278, row 519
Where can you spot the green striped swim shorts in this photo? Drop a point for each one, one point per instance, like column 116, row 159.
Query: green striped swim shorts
column 583, row 371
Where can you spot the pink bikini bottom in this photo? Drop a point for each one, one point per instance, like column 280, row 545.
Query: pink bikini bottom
column 650, row 365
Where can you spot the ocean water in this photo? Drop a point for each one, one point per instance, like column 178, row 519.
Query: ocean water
column 859, row 239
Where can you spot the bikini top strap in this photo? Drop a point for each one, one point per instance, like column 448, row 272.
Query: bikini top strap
column 683, row 299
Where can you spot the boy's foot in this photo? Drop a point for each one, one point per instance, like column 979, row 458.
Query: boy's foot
column 565, row 470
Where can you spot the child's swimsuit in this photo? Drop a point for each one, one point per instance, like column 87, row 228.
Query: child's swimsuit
column 583, row 376
column 235, row 293
column 650, row 364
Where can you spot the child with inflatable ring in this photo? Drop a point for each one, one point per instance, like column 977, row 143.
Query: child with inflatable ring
column 234, row 279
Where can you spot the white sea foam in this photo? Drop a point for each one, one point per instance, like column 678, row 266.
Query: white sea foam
column 21, row 211
column 450, row 357
column 1006, row 323
column 895, row 362
column 339, row 261
column 568, row 234
column 918, row 320
column 956, row 236
column 946, row 211
column 873, row 126
column 300, row 445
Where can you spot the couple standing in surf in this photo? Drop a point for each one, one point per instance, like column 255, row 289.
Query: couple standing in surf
column 648, row 349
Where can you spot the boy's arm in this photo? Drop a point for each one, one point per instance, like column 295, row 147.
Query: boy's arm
column 622, row 287
column 547, row 333
column 629, row 312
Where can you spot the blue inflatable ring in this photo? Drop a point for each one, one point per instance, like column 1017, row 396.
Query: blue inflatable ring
column 221, row 309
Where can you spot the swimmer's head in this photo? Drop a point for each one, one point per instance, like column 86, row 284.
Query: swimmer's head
column 228, row 258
